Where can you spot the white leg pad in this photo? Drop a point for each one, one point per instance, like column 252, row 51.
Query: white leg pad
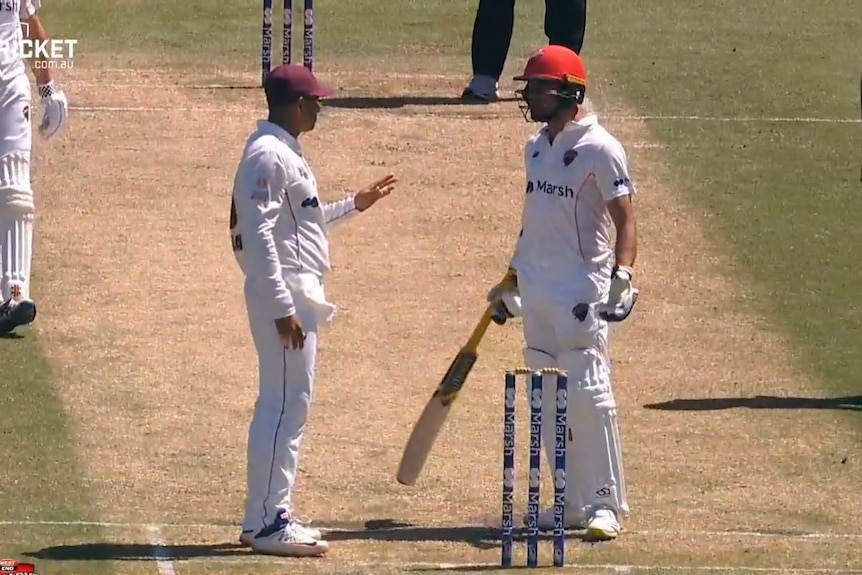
column 16, row 254
column 594, row 466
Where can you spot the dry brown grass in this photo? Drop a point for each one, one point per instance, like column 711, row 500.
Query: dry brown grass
column 142, row 313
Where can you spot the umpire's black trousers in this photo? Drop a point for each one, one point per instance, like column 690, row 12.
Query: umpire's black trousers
column 565, row 24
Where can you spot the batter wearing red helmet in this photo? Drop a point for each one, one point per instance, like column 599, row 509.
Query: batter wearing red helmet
column 569, row 279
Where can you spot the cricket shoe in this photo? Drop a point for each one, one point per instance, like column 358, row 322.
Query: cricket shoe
column 481, row 90
column 15, row 313
column 286, row 538
column 572, row 520
column 247, row 535
column 602, row 526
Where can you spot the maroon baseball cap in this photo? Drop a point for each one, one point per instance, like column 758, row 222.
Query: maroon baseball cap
column 289, row 82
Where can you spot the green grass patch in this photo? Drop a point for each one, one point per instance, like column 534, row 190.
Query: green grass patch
column 205, row 33
column 783, row 194
column 41, row 479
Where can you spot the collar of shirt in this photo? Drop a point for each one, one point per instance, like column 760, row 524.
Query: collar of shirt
column 578, row 125
column 267, row 127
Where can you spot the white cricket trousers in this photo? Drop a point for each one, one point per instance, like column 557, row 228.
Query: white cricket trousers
column 561, row 332
column 286, row 383
column 17, row 210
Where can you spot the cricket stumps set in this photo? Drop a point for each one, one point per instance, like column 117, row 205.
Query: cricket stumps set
column 266, row 48
column 536, row 402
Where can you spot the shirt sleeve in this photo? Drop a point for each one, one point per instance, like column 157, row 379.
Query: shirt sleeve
column 28, row 8
column 259, row 199
column 612, row 172
column 513, row 260
column 337, row 212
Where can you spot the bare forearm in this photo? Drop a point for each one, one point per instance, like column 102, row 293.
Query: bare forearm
column 626, row 249
column 41, row 70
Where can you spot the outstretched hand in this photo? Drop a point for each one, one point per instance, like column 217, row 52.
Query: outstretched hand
column 369, row 195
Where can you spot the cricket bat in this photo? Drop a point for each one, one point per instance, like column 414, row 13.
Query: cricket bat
column 437, row 409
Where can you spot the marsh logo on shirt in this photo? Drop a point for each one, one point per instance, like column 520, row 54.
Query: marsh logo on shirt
column 312, row 202
column 552, row 189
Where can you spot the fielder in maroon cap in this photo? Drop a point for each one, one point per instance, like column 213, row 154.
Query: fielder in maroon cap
column 279, row 230
column 293, row 96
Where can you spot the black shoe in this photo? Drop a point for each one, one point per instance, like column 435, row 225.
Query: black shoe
column 469, row 96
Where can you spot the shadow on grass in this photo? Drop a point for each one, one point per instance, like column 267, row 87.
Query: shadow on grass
column 392, row 102
column 477, row 536
column 134, row 551
column 759, row 402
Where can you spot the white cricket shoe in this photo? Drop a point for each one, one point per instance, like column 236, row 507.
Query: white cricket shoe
column 573, row 520
column 247, row 536
column 287, row 538
column 602, row 526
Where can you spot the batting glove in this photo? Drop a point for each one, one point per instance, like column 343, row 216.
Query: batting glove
column 55, row 106
column 506, row 299
column 622, row 297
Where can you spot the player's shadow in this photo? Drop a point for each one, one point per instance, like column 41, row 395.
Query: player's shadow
column 760, row 402
column 134, row 551
column 477, row 536
column 394, row 102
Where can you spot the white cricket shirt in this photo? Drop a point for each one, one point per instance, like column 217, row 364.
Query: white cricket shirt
column 279, row 225
column 565, row 225
column 12, row 13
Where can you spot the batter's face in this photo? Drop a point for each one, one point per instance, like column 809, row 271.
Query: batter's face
column 541, row 99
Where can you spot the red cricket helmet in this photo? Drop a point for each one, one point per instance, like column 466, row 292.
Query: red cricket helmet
column 558, row 64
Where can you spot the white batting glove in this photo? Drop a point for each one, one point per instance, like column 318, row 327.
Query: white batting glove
column 622, row 296
column 506, row 299
column 55, row 110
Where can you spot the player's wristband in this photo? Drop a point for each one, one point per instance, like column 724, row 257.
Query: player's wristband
column 46, row 90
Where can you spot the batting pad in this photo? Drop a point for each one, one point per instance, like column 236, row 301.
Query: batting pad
column 594, row 466
column 16, row 255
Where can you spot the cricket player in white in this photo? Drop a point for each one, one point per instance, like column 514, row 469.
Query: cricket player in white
column 569, row 279
column 19, row 20
column 279, row 231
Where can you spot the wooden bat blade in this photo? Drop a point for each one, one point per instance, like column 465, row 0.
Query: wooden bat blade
column 431, row 421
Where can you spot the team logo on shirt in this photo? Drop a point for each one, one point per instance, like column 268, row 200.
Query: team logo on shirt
column 260, row 192
column 311, row 202
column 569, row 157
column 536, row 154
column 550, row 189
column 622, row 182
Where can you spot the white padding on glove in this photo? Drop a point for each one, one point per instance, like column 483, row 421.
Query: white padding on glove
column 55, row 110
column 622, row 296
column 512, row 301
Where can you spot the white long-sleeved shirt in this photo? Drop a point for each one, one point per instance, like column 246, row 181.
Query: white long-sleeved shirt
column 278, row 224
column 565, row 225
